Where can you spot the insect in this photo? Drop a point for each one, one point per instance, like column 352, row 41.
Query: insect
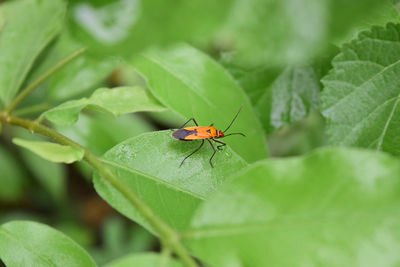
column 209, row 133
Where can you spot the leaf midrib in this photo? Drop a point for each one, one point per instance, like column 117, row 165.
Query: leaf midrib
column 153, row 178
column 383, row 134
column 29, row 249
column 357, row 89
column 231, row 229
column 18, row 84
column 348, row 135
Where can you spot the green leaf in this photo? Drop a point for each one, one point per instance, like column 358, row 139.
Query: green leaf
column 13, row 178
column 116, row 101
column 284, row 32
column 254, row 81
column 51, row 151
column 127, row 27
column 191, row 83
column 50, row 175
column 99, row 132
column 291, row 97
column 29, row 243
column 76, row 79
column 144, row 259
column 334, row 207
column 149, row 165
column 20, row 47
column 361, row 95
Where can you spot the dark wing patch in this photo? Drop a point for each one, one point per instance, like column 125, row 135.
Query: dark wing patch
column 182, row 133
column 208, row 131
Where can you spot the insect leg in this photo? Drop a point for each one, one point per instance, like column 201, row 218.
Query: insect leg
column 215, row 151
column 191, row 119
column 219, row 147
column 197, row 149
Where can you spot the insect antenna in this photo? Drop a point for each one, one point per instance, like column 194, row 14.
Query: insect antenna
column 242, row 134
column 233, row 120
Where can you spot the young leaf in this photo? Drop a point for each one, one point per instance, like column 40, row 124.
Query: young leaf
column 149, row 165
column 51, row 151
column 116, row 101
column 191, row 83
column 361, row 94
column 291, row 97
column 13, row 178
column 144, row 259
column 19, row 47
column 334, row 207
column 50, row 175
column 24, row 243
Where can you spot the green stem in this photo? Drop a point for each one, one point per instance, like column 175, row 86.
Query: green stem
column 32, row 86
column 168, row 236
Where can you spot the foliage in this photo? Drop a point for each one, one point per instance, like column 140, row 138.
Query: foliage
column 36, row 244
column 117, row 101
column 101, row 85
column 329, row 210
column 362, row 91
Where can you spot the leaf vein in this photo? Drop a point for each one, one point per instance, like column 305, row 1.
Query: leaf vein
column 22, row 244
column 382, row 136
column 112, row 163
column 356, row 126
column 364, row 83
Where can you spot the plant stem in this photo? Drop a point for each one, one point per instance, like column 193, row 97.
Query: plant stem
column 32, row 86
column 167, row 235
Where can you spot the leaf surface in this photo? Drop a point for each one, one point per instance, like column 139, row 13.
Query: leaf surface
column 51, row 151
column 50, row 175
column 361, row 95
column 149, row 165
column 254, row 80
column 333, row 207
column 290, row 98
column 76, row 79
column 20, row 47
column 116, row 101
column 189, row 82
column 25, row 243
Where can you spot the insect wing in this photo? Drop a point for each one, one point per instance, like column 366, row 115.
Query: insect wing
column 182, row 134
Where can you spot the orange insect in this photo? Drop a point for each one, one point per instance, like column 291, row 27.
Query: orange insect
column 203, row 133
